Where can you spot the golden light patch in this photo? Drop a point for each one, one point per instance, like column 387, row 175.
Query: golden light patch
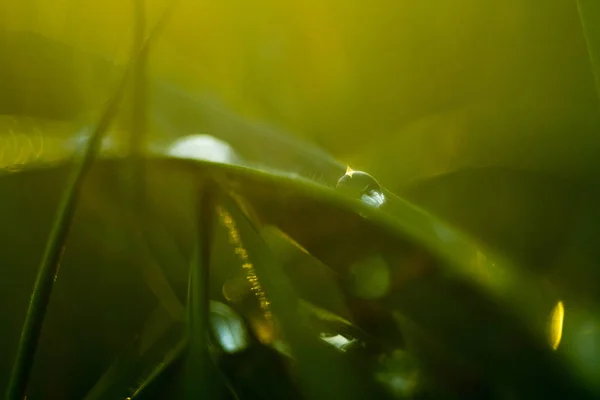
column 556, row 324
column 292, row 241
column 240, row 251
column 264, row 330
column 349, row 171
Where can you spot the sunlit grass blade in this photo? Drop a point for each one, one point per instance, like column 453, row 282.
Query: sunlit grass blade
column 320, row 368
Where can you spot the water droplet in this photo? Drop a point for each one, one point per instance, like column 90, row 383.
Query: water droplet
column 204, row 147
column 362, row 186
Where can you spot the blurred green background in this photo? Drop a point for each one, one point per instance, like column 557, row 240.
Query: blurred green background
column 406, row 90
column 484, row 112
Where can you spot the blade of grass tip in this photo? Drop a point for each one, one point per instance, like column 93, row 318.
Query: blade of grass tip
column 322, row 373
column 199, row 368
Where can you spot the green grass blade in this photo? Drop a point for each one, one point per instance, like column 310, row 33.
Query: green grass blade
column 199, row 368
column 54, row 248
column 49, row 267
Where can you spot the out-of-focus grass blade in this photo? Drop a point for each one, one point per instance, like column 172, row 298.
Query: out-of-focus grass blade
column 137, row 135
column 152, row 271
column 200, row 372
column 138, row 120
column 154, row 350
column 320, row 369
column 589, row 14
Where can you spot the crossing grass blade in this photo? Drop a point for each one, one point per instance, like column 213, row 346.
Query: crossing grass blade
column 158, row 346
column 321, row 372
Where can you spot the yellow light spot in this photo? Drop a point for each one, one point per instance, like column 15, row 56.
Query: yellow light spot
column 292, row 241
column 234, row 236
column 556, row 324
column 264, row 330
column 349, row 171
column 240, row 251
